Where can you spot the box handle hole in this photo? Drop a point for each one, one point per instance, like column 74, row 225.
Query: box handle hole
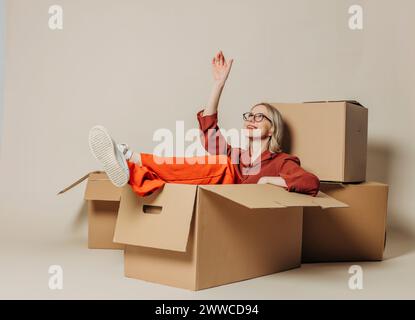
column 151, row 209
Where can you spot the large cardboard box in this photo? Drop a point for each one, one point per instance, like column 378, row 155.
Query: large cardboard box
column 355, row 233
column 196, row 237
column 330, row 138
column 103, row 200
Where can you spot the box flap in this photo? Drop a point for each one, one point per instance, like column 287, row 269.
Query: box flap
column 73, row 185
column 257, row 196
column 100, row 187
column 347, row 101
column 160, row 220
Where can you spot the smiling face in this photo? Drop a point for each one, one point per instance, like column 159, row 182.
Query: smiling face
column 265, row 126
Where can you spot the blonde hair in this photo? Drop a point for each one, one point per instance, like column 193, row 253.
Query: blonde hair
column 275, row 143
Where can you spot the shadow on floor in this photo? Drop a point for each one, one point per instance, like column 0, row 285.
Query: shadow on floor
column 400, row 239
column 381, row 164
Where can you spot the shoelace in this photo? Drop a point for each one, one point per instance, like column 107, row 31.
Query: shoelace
column 124, row 148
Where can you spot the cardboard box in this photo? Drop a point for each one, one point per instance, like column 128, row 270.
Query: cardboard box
column 196, row 237
column 356, row 233
column 103, row 202
column 330, row 138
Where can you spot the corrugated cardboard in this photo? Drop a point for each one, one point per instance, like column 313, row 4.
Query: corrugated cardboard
column 103, row 201
column 197, row 237
column 330, row 138
column 356, row 233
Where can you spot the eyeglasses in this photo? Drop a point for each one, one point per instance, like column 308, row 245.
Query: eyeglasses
column 258, row 117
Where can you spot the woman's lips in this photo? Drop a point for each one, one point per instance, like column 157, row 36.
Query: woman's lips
column 251, row 127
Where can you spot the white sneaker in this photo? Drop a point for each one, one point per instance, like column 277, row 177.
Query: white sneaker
column 110, row 155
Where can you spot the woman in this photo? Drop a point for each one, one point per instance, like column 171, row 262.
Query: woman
column 263, row 126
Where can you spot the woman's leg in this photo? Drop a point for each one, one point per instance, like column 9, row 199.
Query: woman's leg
column 154, row 171
column 147, row 173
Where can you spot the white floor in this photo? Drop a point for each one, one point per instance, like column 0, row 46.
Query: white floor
column 98, row 274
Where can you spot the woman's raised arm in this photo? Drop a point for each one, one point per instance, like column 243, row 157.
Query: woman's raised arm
column 220, row 70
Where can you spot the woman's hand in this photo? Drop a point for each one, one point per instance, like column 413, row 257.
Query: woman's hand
column 221, row 68
column 278, row 181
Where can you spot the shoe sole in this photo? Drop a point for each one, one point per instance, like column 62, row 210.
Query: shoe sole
column 103, row 149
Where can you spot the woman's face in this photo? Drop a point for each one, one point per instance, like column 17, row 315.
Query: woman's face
column 265, row 125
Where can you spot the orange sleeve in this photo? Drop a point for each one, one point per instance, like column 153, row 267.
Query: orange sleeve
column 298, row 179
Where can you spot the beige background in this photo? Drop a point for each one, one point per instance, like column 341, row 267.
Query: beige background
column 136, row 66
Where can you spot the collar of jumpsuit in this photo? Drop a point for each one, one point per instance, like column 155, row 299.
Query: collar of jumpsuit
column 246, row 162
column 249, row 171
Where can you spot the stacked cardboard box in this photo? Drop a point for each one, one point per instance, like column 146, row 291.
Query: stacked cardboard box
column 200, row 236
column 330, row 138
